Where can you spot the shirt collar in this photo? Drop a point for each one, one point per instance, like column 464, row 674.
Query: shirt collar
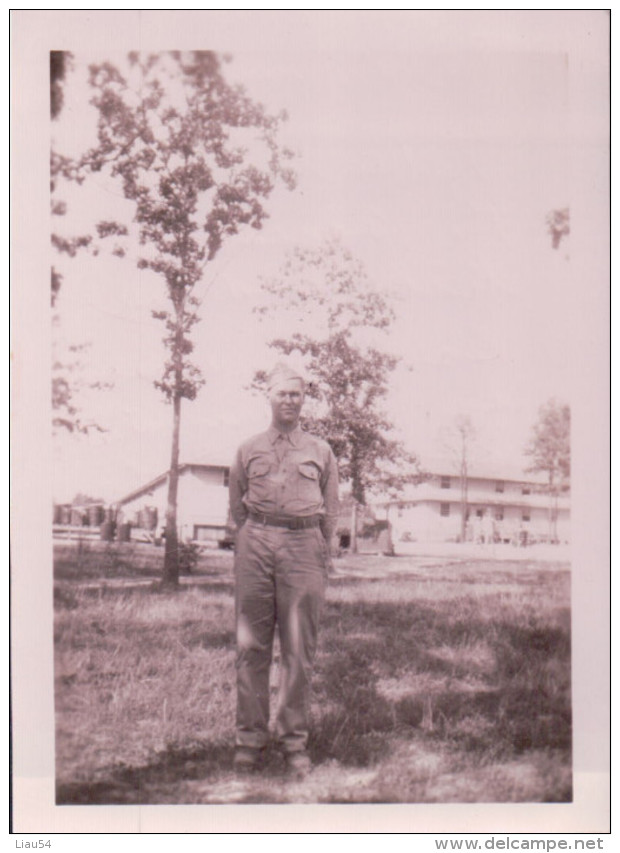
column 293, row 437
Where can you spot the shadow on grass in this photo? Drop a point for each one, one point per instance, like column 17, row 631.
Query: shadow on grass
column 142, row 784
column 519, row 699
column 100, row 561
column 159, row 781
column 67, row 597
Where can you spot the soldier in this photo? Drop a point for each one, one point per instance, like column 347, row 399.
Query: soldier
column 284, row 500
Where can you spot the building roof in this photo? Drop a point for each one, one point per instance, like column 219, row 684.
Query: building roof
column 161, row 478
column 436, row 466
column 483, row 469
column 489, row 470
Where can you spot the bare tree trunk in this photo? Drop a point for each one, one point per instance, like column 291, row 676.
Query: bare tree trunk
column 171, row 554
column 554, row 518
column 354, row 527
column 463, row 501
column 551, row 522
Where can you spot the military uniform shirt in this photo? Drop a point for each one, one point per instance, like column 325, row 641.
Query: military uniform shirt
column 285, row 474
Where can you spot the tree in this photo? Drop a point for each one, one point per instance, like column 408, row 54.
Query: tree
column 172, row 131
column 459, row 440
column 549, row 450
column 61, row 61
column 348, row 380
column 83, row 499
column 66, row 385
column 65, row 366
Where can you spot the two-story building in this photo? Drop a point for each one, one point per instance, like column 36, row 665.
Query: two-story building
column 497, row 504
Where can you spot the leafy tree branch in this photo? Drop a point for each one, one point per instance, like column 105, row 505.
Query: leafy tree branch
column 198, row 159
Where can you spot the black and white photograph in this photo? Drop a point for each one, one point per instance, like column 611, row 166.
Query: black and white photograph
column 320, row 500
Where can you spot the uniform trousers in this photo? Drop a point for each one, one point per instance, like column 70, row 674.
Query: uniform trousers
column 280, row 577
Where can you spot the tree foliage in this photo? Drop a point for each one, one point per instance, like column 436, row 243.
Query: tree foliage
column 66, row 367
column 170, row 130
column 549, row 449
column 198, row 159
column 459, row 438
column 67, row 382
column 549, row 443
column 349, row 379
column 83, row 499
column 60, row 61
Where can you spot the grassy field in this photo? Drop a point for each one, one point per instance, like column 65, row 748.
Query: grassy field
column 437, row 681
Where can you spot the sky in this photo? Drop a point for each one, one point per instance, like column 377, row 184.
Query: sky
column 432, row 145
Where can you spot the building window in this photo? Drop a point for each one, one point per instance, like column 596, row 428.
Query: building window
column 445, row 482
column 499, row 485
column 525, row 515
column 226, row 477
column 499, row 513
column 444, row 510
column 525, row 490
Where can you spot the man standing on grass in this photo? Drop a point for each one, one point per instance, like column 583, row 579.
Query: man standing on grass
column 284, row 500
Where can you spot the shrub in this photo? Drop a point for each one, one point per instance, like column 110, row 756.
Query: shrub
column 189, row 554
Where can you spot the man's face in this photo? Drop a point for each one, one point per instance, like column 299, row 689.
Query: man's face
column 286, row 398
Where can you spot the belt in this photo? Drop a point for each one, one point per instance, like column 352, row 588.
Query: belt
column 301, row 523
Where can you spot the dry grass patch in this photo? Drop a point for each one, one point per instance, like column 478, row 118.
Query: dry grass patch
column 138, row 674
column 452, row 685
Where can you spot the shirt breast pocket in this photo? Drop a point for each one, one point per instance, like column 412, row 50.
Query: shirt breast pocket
column 258, row 480
column 308, row 487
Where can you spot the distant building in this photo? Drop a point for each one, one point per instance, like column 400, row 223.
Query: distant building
column 498, row 507
column 202, row 504
column 501, row 506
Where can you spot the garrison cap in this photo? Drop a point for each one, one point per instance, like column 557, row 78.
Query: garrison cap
column 281, row 373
